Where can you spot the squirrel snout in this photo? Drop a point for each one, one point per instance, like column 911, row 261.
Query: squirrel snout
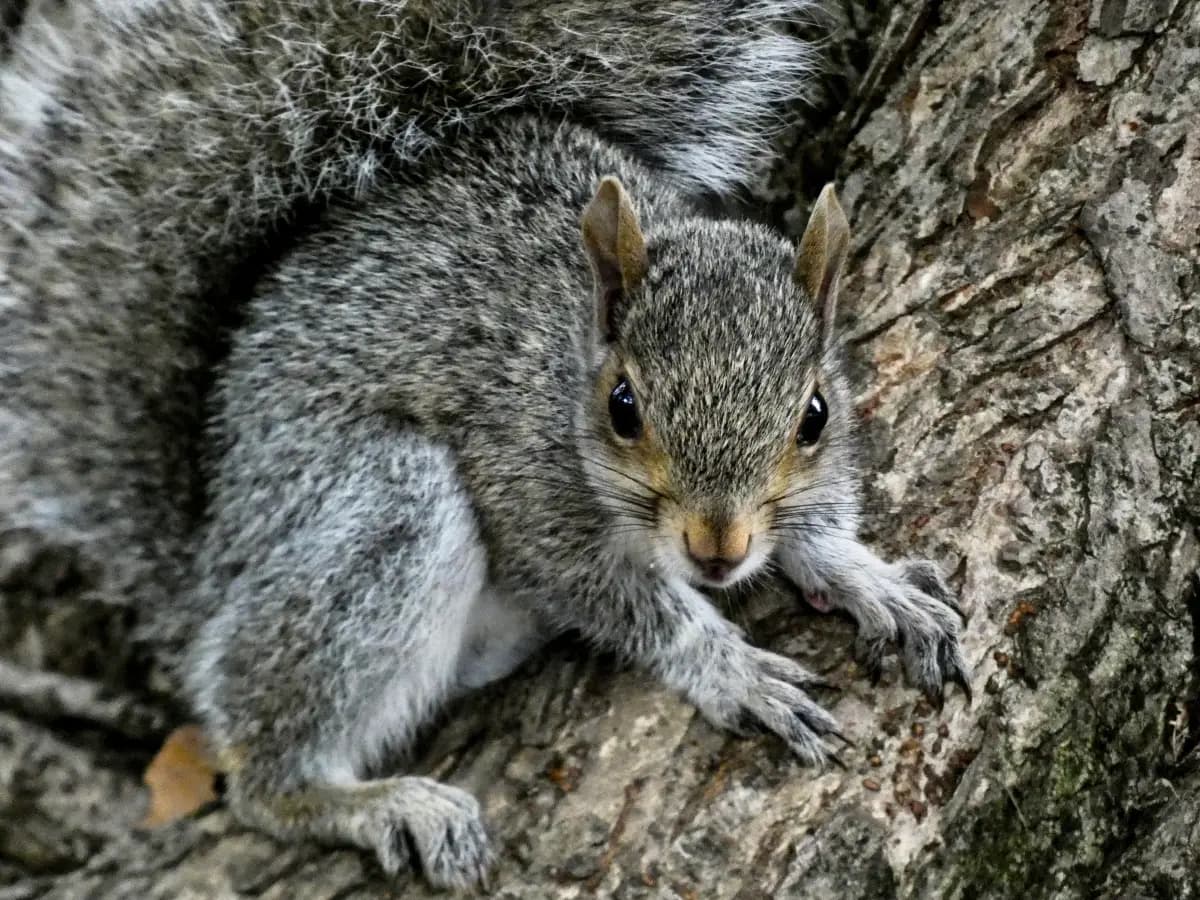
column 715, row 550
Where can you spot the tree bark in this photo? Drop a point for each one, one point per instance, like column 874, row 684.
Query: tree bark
column 1023, row 179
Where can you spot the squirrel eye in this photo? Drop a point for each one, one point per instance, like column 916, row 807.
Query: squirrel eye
column 622, row 409
column 815, row 417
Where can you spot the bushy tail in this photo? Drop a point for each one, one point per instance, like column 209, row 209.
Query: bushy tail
column 147, row 149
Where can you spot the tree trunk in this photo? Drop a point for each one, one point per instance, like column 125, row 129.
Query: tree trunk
column 1023, row 179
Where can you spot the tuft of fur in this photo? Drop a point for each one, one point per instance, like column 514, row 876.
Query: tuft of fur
column 150, row 150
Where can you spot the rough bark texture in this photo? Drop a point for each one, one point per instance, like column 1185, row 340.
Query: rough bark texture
column 1024, row 181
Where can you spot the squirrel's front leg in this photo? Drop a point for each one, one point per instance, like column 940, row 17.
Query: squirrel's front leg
column 673, row 630
column 906, row 602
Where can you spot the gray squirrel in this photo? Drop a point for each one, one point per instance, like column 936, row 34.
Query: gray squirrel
column 513, row 384
column 450, row 429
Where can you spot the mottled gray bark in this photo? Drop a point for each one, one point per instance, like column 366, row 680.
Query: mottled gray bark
column 1024, row 182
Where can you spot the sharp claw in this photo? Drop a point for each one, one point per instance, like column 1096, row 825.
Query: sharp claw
column 958, row 674
column 957, row 607
column 936, row 697
column 809, row 723
column 841, row 737
column 960, row 679
column 410, row 850
column 837, row 761
column 875, row 672
column 869, row 654
column 749, row 724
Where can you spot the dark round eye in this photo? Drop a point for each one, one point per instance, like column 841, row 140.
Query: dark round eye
column 622, row 409
column 814, row 420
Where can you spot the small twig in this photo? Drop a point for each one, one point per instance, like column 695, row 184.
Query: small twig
column 1013, row 800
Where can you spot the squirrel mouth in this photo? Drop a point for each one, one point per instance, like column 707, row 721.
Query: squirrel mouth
column 716, row 572
column 721, row 574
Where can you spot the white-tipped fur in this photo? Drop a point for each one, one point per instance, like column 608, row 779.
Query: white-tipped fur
column 736, row 150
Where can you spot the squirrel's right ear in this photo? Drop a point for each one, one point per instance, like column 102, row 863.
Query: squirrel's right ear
column 616, row 249
column 821, row 256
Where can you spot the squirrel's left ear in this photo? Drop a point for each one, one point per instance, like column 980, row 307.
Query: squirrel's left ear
column 821, row 256
column 616, row 250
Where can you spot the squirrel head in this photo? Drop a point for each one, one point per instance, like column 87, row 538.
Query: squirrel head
column 718, row 422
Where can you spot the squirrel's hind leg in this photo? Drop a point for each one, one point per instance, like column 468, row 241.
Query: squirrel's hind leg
column 340, row 639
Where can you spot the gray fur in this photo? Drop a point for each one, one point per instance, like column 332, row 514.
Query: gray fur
column 150, row 148
column 411, row 435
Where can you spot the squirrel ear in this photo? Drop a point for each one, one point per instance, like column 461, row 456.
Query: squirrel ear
column 616, row 249
column 821, row 256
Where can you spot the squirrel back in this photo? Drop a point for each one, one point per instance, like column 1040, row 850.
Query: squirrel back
column 151, row 151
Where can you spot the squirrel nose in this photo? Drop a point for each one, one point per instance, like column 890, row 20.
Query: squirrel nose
column 716, row 553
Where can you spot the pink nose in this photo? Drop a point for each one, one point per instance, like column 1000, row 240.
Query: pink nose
column 716, row 567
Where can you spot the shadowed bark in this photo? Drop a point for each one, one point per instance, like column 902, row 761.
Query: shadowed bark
column 1023, row 180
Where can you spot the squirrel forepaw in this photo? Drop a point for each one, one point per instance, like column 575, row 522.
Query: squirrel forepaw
column 906, row 603
column 915, row 608
column 766, row 695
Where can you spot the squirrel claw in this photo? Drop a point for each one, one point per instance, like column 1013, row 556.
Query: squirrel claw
column 841, row 737
column 955, row 668
column 869, row 653
column 936, row 697
column 960, row 679
column 874, row 671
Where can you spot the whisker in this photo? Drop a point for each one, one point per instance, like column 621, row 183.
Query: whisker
column 824, row 488
column 648, row 487
column 795, row 536
column 589, row 489
column 839, row 506
column 901, row 511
